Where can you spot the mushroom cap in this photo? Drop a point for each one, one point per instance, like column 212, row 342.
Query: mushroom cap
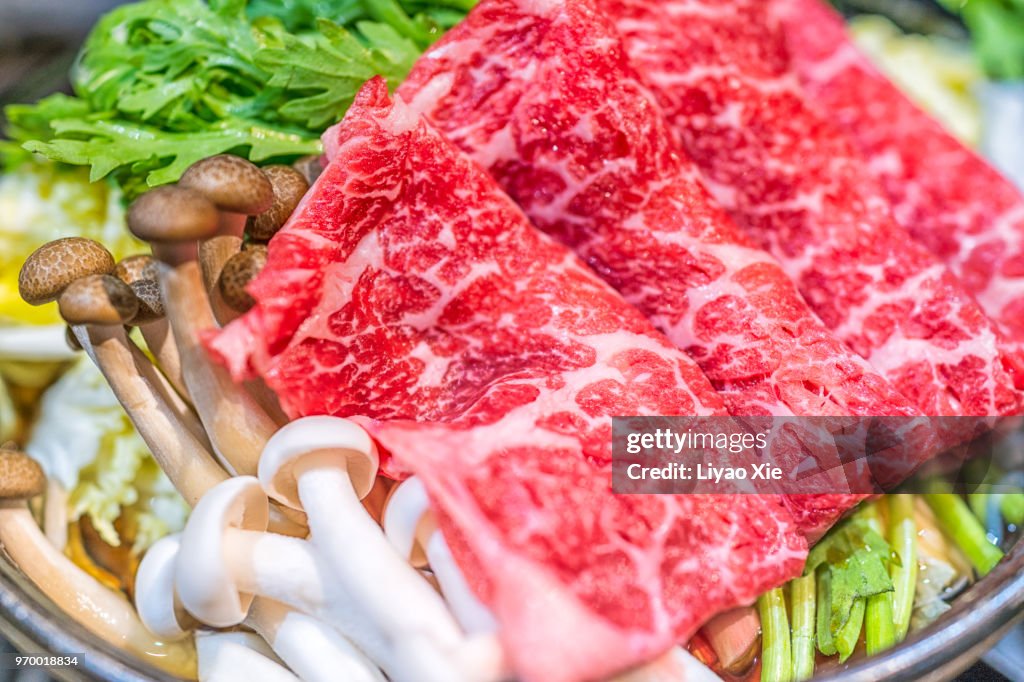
column 289, row 187
column 151, row 305
column 55, row 265
column 407, row 521
column 231, row 182
column 98, row 299
column 310, row 166
column 171, row 213
column 236, row 274
column 327, row 441
column 135, row 268
column 202, row 576
column 155, row 600
column 21, row 477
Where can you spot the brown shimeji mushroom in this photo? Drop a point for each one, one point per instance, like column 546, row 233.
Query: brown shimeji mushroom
column 97, row 306
column 140, row 273
column 234, row 185
column 213, row 254
column 289, row 188
column 47, row 272
column 238, row 271
column 104, row 612
column 237, row 425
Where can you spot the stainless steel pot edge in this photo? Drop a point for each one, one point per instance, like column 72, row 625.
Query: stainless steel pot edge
column 33, row 625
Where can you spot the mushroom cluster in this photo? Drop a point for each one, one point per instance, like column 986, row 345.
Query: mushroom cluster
column 295, row 563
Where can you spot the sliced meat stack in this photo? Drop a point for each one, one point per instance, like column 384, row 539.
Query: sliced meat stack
column 542, row 95
column 950, row 199
column 797, row 186
column 409, row 292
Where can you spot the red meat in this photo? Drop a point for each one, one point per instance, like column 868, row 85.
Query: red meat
column 797, row 186
column 408, row 292
column 542, row 95
column 951, row 200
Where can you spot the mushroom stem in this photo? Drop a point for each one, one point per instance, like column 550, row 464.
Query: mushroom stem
column 237, row 657
column 161, row 344
column 213, row 254
column 239, row 428
column 275, row 567
column 55, row 515
column 411, row 528
column 413, row 629
column 314, row 650
column 473, row 616
column 104, row 612
column 161, row 384
column 189, row 465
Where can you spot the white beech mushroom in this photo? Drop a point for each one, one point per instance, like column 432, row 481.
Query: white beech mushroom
column 140, row 273
column 237, row 187
column 226, row 558
column 314, row 650
column 221, row 563
column 325, row 466
column 104, row 612
column 156, row 599
column 410, row 527
column 238, row 657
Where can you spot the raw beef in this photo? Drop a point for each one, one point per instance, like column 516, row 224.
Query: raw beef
column 542, row 96
column 796, row 185
column 408, row 292
column 968, row 214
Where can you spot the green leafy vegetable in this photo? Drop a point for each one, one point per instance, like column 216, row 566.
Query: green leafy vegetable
column 997, row 28
column 160, row 84
column 856, row 557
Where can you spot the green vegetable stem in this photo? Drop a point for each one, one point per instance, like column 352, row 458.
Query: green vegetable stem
column 958, row 522
column 802, row 593
column 903, row 568
column 879, row 630
column 776, row 652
